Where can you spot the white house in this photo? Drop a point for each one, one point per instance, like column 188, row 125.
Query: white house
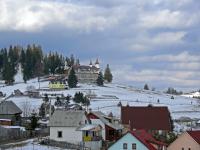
column 64, row 126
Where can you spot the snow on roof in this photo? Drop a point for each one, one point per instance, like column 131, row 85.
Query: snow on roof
column 64, row 118
column 5, row 119
column 100, row 115
column 43, row 121
column 13, row 127
column 89, row 127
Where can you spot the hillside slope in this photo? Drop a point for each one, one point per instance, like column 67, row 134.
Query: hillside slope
column 110, row 95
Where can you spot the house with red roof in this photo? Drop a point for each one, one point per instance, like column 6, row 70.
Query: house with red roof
column 149, row 118
column 137, row 140
column 111, row 129
column 189, row 140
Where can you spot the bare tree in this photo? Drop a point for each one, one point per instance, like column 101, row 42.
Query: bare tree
column 26, row 108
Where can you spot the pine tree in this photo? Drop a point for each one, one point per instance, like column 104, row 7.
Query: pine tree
column 8, row 70
column 72, row 79
column 100, row 80
column 1, row 60
column 34, row 122
column 146, row 87
column 107, row 74
column 42, row 110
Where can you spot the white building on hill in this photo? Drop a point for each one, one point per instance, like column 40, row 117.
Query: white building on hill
column 64, row 124
column 86, row 73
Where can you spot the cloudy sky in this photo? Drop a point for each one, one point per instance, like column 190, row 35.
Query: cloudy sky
column 144, row 41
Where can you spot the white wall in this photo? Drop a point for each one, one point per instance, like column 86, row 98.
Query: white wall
column 69, row 134
column 98, row 121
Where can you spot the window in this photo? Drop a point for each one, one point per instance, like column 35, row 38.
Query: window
column 125, row 146
column 86, row 133
column 182, row 149
column 133, row 146
column 59, row 134
column 189, row 148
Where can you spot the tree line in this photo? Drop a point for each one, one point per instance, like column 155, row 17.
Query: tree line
column 35, row 63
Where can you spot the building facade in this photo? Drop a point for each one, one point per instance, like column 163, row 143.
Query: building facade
column 10, row 112
column 189, row 140
column 86, row 73
column 64, row 124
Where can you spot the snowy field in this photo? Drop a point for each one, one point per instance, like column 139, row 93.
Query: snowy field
column 28, row 145
column 109, row 96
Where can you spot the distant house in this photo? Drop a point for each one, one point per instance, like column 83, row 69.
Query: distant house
column 2, row 95
column 110, row 130
column 18, row 93
column 149, row 118
column 86, row 73
column 58, row 85
column 137, row 140
column 10, row 114
column 189, row 140
column 33, row 94
column 74, row 127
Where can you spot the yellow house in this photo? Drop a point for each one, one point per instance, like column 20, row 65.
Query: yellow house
column 57, row 85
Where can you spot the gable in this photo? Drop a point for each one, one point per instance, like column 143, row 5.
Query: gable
column 129, row 139
column 184, row 141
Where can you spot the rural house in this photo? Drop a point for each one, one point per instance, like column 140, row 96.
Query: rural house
column 64, row 124
column 10, row 114
column 92, row 136
column 150, row 118
column 189, row 140
column 74, row 127
column 110, row 130
column 137, row 140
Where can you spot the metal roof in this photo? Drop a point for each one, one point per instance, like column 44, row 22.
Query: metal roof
column 64, row 118
column 9, row 108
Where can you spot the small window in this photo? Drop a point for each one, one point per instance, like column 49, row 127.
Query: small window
column 125, row 146
column 59, row 134
column 189, row 148
column 86, row 133
column 133, row 146
column 182, row 149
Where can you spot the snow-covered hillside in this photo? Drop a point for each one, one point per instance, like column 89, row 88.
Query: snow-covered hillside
column 109, row 96
column 192, row 95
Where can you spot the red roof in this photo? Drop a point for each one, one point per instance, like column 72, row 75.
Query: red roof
column 195, row 135
column 146, row 139
column 148, row 118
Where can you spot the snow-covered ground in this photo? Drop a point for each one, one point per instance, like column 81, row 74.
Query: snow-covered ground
column 28, row 145
column 193, row 94
column 109, row 96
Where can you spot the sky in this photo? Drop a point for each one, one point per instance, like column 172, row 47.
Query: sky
column 145, row 41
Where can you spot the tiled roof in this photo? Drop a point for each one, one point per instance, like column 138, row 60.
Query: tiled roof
column 146, row 139
column 148, row 118
column 195, row 135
